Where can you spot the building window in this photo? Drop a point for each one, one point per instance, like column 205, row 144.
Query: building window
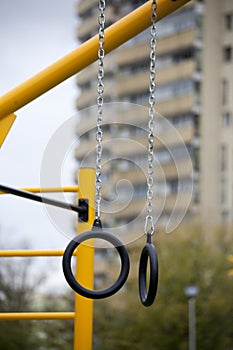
column 226, row 119
column 134, row 68
column 223, row 191
column 223, row 158
column 227, row 53
column 229, row 21
column 225, row 215
column 172, row 90
column 196, row 192
column 225, row 91
column 196, row 159
column 177, row 22
column 139, row 190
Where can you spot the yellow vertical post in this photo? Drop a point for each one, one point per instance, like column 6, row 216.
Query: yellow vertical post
column 83, row 320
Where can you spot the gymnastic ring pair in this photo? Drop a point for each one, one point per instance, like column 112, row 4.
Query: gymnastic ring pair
column 149, row 252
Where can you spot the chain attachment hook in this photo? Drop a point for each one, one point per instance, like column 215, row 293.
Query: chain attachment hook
column 149, row 228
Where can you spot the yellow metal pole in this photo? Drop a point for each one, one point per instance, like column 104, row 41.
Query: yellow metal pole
column 83, row 320
column 230, row 259
column 74, row 62
column 49, row 189
column 37, row 316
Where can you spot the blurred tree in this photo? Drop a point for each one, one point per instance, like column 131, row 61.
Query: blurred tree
column 56, row 334
column 185, row 258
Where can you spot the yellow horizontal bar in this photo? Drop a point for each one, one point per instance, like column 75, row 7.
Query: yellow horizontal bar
column 25, row 253
column 37, row 316
column 50, row 189
column 117, row 34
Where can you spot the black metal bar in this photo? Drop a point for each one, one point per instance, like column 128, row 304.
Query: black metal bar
column 28, row 195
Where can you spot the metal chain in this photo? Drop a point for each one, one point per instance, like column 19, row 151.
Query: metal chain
column 100, row 101
column 149, row 224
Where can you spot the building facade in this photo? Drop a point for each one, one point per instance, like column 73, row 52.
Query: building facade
column 194, row 126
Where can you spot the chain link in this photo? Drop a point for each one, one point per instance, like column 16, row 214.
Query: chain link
column 149, row 223
column 100, row 101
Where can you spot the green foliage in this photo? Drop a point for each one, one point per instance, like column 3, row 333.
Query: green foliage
column 184, row 258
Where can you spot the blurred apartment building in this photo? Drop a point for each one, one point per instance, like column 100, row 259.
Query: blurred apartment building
column 194, row 96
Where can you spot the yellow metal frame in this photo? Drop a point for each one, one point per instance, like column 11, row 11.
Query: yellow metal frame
column 83, row 314
column 117, row 34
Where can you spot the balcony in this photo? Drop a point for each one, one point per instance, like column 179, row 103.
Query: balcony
column 90, row 73
column 84, row 147
column 169, row 138
column 180, row 104
column 171, row 202
column 182, row 168
column 132, row 84
column 131, row 54
column 163, row 204
column 90, row 24
column 141, row 51
column 86, row 99
column 87, row 74
column 85, row 5
column 135, row 83
column 176, row 42
column 178, row 71
column 137, row 145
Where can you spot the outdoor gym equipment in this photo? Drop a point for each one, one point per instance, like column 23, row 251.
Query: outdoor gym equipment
column 81, row 209
column 117, row 34
column 96, row 232
column 149, row 251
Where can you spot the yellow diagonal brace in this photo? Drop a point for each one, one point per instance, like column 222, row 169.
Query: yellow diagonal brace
column 5, row 125
column 74, row 62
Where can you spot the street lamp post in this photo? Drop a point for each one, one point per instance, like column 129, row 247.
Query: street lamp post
column 191, row 293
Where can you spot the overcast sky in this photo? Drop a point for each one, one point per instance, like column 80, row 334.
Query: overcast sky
column 33, row 35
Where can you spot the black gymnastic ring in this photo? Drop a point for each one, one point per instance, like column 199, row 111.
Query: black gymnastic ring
column 125, row 264
column 147, row 297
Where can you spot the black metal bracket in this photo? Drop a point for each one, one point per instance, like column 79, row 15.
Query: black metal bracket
column 83, row 216
column 81, row 209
